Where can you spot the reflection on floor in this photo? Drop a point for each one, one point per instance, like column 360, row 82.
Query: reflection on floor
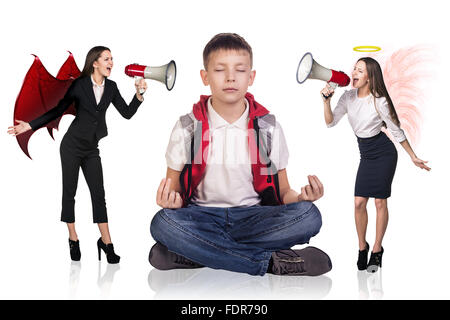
column 206, row 283
column 370, row 285
column 104, row 281
column 220, row 284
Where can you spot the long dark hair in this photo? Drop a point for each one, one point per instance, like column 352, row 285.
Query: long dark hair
column 91, row 57
column 376, row 85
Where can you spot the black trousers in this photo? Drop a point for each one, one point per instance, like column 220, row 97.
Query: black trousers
column 76, row 153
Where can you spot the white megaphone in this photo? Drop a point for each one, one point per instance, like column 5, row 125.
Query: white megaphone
column 165, row 74
column 308, row 68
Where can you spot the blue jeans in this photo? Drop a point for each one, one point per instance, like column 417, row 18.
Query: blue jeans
column 239, row 239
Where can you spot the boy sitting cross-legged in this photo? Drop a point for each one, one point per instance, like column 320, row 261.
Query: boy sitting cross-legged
column 226, row 199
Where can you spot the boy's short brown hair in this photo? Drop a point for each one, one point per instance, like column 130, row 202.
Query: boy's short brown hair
column 226, row 41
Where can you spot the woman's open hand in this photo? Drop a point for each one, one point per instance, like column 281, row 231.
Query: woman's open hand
column 420, row 163
column 19, row 128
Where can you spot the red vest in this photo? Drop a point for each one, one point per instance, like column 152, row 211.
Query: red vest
column 265, row 176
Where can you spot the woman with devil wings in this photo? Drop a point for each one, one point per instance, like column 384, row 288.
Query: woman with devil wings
column 43, row 100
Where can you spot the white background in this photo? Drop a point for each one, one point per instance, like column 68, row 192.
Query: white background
column 34, row 255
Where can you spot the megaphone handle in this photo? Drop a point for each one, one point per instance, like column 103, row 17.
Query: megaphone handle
column 332, row 85
column 136, row 81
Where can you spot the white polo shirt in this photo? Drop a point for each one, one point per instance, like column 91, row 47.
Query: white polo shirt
column 228, row 179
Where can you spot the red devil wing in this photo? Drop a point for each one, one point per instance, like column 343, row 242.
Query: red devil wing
column 41, row 92
column 68, row 71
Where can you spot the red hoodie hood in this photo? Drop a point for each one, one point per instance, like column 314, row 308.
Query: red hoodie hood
column 200, row 109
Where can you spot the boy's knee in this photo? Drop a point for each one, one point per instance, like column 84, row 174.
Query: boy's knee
column 157, row 224
column 311, row 214
column 301, row 207
column 316, row 224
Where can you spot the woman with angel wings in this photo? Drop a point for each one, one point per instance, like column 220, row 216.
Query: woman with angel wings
column 369, row 108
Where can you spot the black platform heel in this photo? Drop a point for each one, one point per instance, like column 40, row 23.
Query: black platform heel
column 75, row 253
column 108, row 249
column 375, row 261
column 362, row 258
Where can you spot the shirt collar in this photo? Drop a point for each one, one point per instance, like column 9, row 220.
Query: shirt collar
column 96, row 85
column 216, row 121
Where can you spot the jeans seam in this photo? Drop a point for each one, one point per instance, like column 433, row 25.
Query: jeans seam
column 282, row 226
column 265, row 262
column 184, row 230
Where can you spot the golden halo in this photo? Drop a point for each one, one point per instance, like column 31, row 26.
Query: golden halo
column 367, row 49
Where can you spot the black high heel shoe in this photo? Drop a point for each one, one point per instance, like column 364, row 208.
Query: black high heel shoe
column 375, row 261
column 362, row 258
column 75, row 253
column 108, row 249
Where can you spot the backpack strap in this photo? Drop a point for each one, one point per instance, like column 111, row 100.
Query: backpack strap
column 265, row 173
column 192, row 130
column 265, row 129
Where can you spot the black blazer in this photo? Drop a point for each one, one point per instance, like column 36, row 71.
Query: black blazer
column 90, row 118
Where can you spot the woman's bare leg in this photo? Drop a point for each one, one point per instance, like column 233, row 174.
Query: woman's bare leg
column 361, row 220
column 72, row 232
column 382, row 222
column 104, row 231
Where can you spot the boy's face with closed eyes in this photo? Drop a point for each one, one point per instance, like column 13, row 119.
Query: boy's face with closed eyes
column 229, row 74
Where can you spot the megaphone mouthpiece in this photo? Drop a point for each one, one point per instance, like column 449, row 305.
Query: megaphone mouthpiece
column 340, row 78
column 135, row 70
